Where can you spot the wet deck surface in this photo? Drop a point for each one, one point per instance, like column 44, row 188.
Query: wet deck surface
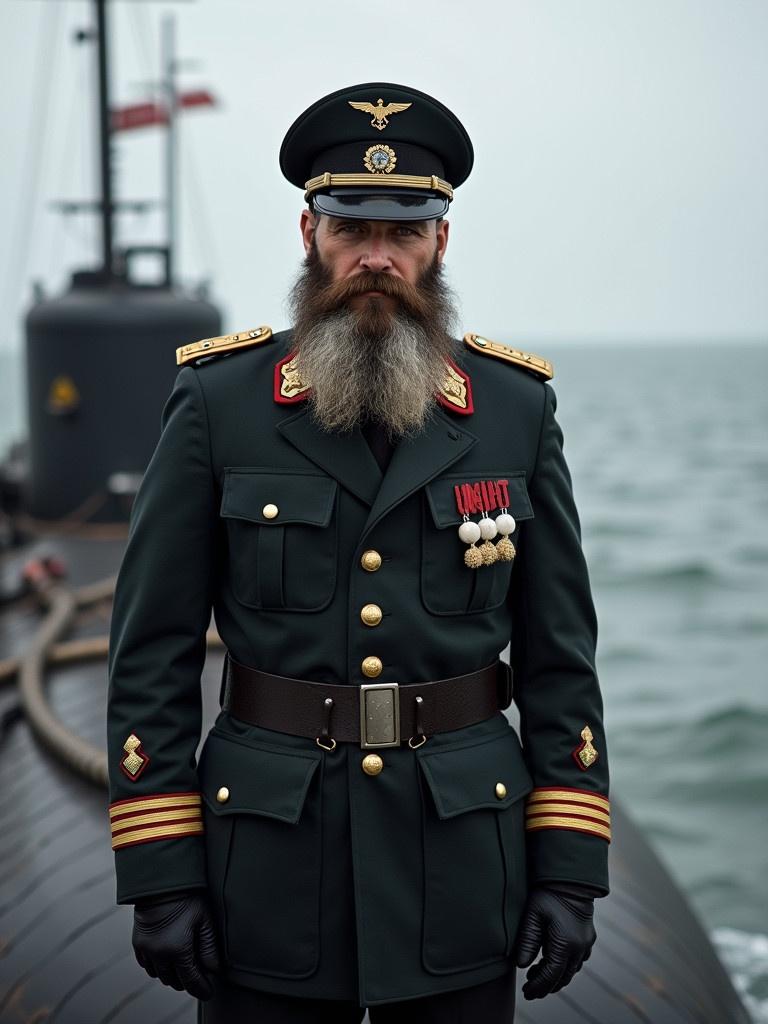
column 65, row 949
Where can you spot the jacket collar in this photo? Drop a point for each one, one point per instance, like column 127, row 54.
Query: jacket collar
column 347, row 457
column 455, row 394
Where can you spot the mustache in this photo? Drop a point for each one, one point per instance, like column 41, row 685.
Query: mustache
column 333, row 296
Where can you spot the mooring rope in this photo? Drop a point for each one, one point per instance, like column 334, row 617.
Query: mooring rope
column 63, row 602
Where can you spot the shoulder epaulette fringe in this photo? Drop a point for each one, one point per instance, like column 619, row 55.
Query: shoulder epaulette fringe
column 536, row 364
column 226, row 343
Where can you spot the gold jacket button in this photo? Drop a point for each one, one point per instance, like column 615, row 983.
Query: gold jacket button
column 501, row 790
column 223, row 795
column 372, row 666
column 269, row 511
column 370, row 560
column 371, row 614
column 372, row 764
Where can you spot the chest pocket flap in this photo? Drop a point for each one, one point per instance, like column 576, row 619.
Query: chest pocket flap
column 298, row 497
column 442, row 497
column 282, row 535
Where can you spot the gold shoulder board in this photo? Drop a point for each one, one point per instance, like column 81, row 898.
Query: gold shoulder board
column 226, row 343
column 537, row 364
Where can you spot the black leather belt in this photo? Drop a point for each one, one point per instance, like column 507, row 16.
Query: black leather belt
column 371, row 714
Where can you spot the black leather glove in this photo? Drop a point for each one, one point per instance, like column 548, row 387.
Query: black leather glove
column 560, row 922
column 174, row 941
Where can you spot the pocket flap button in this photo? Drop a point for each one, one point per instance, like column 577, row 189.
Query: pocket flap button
column 269, row 511
column 501, row 790
column 223, row 795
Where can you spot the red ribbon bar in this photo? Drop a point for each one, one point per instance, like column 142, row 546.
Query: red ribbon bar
column 481, row 496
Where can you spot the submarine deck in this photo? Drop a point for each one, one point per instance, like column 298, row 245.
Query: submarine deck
column 65, row 946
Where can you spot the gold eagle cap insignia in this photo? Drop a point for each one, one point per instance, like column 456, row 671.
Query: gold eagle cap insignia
column 380, row 113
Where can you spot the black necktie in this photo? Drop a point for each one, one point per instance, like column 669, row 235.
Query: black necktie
column 375, row 434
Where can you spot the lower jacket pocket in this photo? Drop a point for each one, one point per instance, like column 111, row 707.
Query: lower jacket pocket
column 262, row 807
column 474, row 850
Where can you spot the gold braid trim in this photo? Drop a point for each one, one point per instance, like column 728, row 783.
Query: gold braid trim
column 569, row 796
column 226, row 343
column 159, row 832
column 537, row 364
column 574, row 824
column 328, row 180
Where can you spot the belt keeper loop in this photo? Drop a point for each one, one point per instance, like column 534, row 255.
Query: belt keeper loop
column 504, row 681
column 224, row 685
column 325, row 729
column 418, row 724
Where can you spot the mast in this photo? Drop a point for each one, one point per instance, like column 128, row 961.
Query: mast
column 169, row 88
column 105, row 132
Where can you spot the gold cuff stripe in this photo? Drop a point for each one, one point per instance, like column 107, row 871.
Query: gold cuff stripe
column 155, row 819
column 160, row 832
column 532, row 819
column 150, row 803
column 574, row 824
column 329, row 180
column 551, row 808
column 566, row 796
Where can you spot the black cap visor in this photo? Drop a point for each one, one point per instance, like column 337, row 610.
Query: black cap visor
column 384, row 204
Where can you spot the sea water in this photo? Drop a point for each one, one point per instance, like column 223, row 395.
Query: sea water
column 668, row 450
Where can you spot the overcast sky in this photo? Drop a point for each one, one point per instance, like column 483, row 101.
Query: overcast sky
column 620, row 187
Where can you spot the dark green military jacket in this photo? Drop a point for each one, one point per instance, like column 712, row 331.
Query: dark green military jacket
column 326, row 881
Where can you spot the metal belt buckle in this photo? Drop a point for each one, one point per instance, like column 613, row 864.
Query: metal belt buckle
column 379, row 715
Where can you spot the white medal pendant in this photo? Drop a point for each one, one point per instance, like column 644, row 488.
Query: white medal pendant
column 488, row 531
column 505, row 524
column 469, row 533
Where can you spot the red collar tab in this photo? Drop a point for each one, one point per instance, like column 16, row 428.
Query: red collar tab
column 289, row 387
column 456, row 392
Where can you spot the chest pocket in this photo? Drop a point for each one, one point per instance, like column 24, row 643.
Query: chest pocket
column 448, row 587
column 282, row 537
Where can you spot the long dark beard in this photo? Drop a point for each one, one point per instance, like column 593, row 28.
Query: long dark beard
column 370, row 363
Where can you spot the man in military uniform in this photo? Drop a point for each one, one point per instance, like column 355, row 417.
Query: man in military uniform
column 374, row 511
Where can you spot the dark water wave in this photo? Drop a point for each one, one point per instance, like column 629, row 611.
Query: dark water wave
column 734, row 721
column 751, row 553
column 694, row 572
column 613, row 654
column 604, row 528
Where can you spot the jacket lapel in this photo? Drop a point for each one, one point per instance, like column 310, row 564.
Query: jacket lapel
column 417, row 460
column 346, row 457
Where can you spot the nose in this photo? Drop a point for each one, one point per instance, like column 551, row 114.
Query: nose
column 376, row 258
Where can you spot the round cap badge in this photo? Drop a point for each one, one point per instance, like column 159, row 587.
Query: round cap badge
column 380, row 159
